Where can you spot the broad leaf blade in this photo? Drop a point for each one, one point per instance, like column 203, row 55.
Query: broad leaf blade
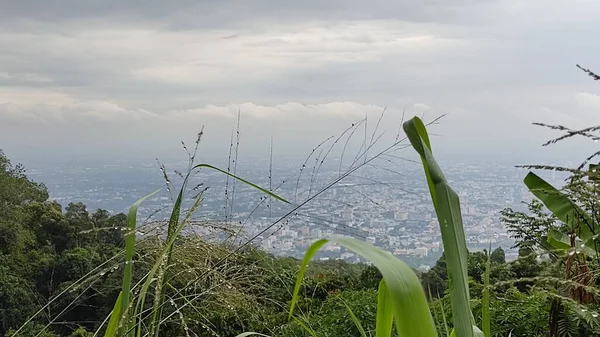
column 455, row 249
column 559, row 241
column 563, row 208
column 419, row 139
column 447, row 206
column 404, row 288
column 385, row 312
column 562, row 242
column 476, row 332
column 310, row 252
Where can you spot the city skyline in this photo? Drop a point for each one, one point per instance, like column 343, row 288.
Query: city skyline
column 389, row 208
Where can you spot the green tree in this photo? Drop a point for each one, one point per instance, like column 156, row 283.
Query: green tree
column 81, row 332
column 32, row 329
column 528, row 229
column 370, row 278
column 498, row 256
column 78, row 219
column 17, row 300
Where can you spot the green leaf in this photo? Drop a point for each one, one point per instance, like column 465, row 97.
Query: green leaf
column 558, row 240
column 246, row 334
column 444, row 321
column 563, row 208
column 419, row 139
column 115, row 317
column 447, row 206
column 129, row 251
column 408, row 301
column 174, row 228
column 485, row 302
column 385, row 312
column 562, row 242
column 354, row 319
column 271, row 194
column 476, row 332
column 305, row 327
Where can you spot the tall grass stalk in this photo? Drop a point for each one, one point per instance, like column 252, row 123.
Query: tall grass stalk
column 447, row 208
column 130, row 239
column 135, row 324
column 354, row 319
column 485, row 301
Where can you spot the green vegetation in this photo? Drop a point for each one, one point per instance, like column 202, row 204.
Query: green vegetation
column 72, row 272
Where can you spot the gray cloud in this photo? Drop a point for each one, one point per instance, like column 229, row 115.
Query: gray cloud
column 134, row 70
column 184, row 14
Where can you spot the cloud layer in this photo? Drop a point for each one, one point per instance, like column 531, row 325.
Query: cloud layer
column 74, row 72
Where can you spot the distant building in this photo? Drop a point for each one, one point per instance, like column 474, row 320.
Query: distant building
column 401, row 252
column 347, row 214
column 416, row 216
column 304, row 231
column 420, row 251
column 398, row 216
column 423, row 268
column 434, row 246
column 470, row 209
column 316, row 233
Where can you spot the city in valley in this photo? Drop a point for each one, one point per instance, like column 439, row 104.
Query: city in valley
column 386, row 205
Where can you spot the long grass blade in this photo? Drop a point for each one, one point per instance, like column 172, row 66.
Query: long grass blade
column 385, row 312
column 129, row 251
column 115, row 317
column 354, row 319
column 444, row 321
column 408, row 299
column 269, row 193
column 164, row 258
column 172, row 231
column 305, row 327
column 447, row 206
column 485, row 301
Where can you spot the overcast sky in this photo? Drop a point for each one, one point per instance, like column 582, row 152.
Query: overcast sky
column 108, row 78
